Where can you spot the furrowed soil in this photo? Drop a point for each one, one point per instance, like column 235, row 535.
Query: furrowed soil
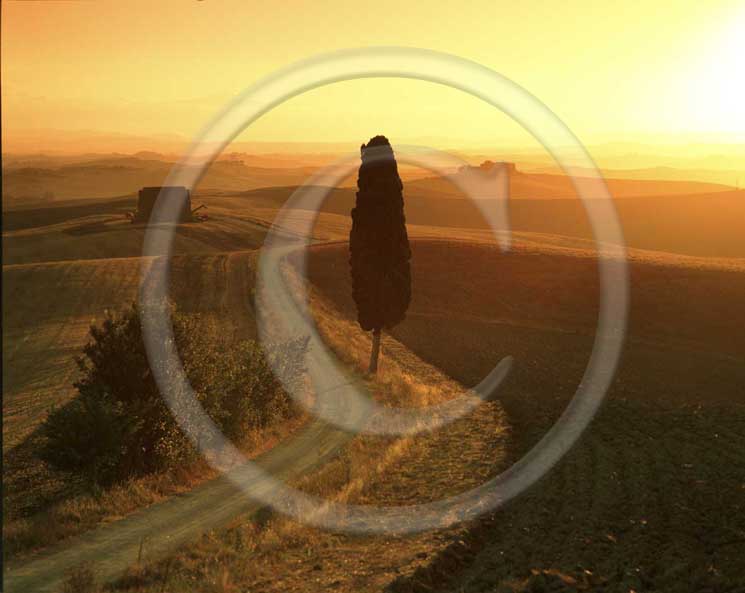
column 652, row 497
column 649, row 499
column 271, row 553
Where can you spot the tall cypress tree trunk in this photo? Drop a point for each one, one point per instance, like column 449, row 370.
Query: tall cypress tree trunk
column 375, row 352
column 379, row 250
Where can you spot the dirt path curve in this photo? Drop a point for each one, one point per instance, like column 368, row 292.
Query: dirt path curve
column 162, row 527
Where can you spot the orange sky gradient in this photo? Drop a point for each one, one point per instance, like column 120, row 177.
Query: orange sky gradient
column 159, row 71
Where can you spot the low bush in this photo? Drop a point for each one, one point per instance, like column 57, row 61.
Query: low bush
column 120, row 425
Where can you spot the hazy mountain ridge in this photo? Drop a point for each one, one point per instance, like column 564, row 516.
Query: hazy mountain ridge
column 117, row 176
column 530, row 185
column 38, row 179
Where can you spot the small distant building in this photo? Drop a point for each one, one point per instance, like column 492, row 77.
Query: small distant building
column 505, row 166
column 177, row 198
column 492, row 167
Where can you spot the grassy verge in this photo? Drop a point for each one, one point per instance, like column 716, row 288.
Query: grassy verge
column 42, row 506
column 88, row 508
column 651, row 499
column 275, row 553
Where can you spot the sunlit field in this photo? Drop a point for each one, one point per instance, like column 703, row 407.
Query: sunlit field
column 659, row 468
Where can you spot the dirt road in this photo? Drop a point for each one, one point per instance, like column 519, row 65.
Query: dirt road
column 162, row 527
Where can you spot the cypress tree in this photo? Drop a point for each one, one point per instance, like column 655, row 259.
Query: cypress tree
column 378, row 244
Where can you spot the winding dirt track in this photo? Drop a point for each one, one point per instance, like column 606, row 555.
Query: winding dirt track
column 164, row 526
column 161, row 527
column 642, row 479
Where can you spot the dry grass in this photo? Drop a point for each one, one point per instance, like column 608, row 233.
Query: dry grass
column 80, row 579
column 683, row 353
column 647, row 500
column 43, row 335
column 278, row 554
column 84, row 510
column 108, row 234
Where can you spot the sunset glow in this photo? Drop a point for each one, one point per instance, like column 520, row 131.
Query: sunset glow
column 164, row 69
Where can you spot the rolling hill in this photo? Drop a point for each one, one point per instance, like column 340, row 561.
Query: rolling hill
column 648, row 497
column 661, row 468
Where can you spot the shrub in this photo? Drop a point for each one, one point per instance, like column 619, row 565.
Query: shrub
column 251, row 394
column 88, row 436
column 120, row 426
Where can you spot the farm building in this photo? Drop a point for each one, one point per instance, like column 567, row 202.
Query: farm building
column 177, row 198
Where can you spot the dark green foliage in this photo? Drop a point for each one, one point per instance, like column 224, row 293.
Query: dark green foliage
column 120, row 426
column 251, row 395
column 88, row 435
column 378, row 243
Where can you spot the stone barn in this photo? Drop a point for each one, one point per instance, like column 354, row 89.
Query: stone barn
column 177, row 198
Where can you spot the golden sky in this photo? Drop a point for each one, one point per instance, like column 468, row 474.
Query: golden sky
column 164, row 68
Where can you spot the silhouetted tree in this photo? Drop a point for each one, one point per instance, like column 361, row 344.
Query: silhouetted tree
column 378, row 244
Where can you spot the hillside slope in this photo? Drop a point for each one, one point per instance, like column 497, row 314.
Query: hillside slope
column 546, row 186
column 652, row 496
column 705, row 224
column 48, row 311
column 181, row 521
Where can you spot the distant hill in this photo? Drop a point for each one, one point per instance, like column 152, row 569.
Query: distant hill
column 109, row 176
column 729, row 177
column 34, row 181
column 543, row 186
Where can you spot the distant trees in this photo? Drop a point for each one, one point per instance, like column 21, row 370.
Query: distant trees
column 378, row 244
column 120, row 426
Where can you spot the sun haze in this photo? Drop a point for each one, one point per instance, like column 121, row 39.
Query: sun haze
column 161, row 71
